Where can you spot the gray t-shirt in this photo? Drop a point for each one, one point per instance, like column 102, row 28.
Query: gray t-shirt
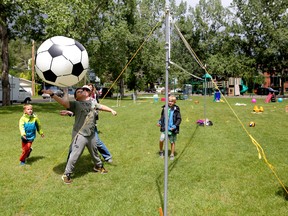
column 85, row 116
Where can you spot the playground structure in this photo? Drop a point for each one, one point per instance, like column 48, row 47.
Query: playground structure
column 232, row 87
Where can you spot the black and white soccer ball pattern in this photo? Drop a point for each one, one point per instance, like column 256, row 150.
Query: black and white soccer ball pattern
column 61, row 61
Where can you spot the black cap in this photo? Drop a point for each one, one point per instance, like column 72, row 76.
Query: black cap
column 76, row 91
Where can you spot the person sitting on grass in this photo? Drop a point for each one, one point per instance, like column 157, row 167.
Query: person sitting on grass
column 174, row 121
column 83, row 133
column 29, row 123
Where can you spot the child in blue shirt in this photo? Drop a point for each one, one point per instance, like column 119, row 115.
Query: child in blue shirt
column 174, row 122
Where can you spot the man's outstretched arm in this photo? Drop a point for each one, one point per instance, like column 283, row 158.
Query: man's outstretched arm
column 59, row 100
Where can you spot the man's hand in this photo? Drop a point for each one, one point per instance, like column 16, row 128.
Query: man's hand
column 114, row 112
column 66, row 112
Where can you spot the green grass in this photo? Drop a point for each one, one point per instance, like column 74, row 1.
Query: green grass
column 216, row 170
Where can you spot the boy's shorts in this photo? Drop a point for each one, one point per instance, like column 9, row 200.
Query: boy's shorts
column 172, row 138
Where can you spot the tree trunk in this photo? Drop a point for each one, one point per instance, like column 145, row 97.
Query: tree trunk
column 5, row 63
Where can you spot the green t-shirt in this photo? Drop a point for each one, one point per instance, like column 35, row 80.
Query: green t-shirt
column 82, row 109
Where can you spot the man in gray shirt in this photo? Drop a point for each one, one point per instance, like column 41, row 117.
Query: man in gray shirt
column 83, row 133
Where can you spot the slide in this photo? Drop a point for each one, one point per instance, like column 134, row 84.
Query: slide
column 244, row 89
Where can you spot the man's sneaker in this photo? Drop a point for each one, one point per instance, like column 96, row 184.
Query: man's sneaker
column 101, row 170
column 109, row 160
column 29, row 152
column 22, row 163
column 171, row 157
column 66, row 179
column 161, row 154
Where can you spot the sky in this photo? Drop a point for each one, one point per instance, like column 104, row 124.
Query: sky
column 225, row 3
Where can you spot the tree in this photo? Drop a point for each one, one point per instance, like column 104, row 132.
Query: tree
column 148, row 66
column 263, row 30
column 19, row 56
column 112, row 42
column 179, row 52
column 37, row 20
column 207, row 29
column 4, row 15
column 121, row 38
column 17, row 18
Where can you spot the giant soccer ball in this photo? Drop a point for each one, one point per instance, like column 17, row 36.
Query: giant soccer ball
column 61, row 61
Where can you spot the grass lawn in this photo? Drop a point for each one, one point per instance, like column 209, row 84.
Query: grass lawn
column 216, row 170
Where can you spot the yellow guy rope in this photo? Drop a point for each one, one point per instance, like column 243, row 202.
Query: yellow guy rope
column 261, row 153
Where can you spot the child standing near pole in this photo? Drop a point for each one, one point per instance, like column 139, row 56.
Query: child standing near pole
column 174, row 121
column 29, row 123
